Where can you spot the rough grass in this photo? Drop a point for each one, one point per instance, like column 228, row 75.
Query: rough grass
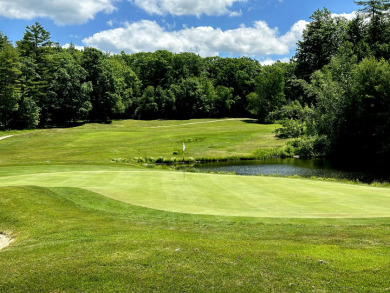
column 72, row 240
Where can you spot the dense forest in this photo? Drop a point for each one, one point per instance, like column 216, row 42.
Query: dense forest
column 333, row 97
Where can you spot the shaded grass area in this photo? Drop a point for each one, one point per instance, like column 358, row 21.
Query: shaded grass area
column 123, row 141
column 72, row 240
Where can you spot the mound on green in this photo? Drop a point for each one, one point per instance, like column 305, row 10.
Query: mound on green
column 73, row 240
column 224, row 195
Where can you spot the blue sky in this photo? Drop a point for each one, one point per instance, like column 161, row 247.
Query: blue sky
column 266, row 30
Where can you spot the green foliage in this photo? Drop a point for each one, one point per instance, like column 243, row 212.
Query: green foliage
column 224, row 102
column 292, row 110
column 368, row 108
column 70, row 93
column 190, row 98
column 9, row 83
column 321, row 40
column 40, row 64
column 269, row 92
column 147, row 107
column 357, row 34
column 185, row 65
column 374, row 7
column 311, row 146
column 35, row 42
column 27, row 115
column 291, row 129
column 238, row 74
column 89, row 85
column 114, row 85
column 352, row 107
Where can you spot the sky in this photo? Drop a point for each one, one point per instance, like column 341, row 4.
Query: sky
column 266, row 30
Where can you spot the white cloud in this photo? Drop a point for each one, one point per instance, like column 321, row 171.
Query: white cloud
column 295, row 33
column 348, row 16
column 186, row 7
column 66, row 46
column 235, row 13
column 145, row 36
column 60, row 11
column 269, row 61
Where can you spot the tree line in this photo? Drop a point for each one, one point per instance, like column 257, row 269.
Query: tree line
column 45, row 85
column 333, row 97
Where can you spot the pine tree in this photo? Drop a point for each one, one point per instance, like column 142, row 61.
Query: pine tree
column 37, row 50
column 374, row 7
column 35, row 42
column 9, row 83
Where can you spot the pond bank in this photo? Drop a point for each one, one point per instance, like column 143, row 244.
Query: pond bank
column 323, row 168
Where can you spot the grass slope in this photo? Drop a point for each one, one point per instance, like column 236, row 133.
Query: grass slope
column 124, row 140
column 225, row 195
column 68, row 238
column 72, row 240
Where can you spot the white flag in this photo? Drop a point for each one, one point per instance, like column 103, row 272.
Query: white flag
column 184, row 147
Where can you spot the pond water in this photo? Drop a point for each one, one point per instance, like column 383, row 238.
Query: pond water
column 303, row 167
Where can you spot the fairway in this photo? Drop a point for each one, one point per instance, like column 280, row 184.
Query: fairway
column 84, row 215
column 223, row 195
column 129, row 140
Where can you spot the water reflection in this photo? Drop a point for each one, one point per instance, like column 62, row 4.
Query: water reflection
column 302, row 167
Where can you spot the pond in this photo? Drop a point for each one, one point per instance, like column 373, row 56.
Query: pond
column 303, row 167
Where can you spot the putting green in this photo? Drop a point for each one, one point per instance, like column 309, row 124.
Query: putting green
column 222, row 194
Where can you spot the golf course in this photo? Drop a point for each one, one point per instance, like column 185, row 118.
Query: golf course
column 90, row 209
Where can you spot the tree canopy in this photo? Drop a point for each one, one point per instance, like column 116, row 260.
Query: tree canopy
column 374, row 7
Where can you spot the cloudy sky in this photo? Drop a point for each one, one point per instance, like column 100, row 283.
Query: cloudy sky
column 266, row 30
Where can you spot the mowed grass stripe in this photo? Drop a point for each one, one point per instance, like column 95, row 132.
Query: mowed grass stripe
column 225, row 195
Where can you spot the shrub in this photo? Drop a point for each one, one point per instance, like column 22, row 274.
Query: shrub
column 312, row 146
column 291, row 129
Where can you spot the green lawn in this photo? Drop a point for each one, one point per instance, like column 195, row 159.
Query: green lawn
column 72, row 240
column 127, row 139
column 85, row 223
column 225, row 195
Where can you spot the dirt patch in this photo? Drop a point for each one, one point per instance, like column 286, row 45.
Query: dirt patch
column 5, row 241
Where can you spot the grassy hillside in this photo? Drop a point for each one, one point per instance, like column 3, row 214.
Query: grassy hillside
column 125, row 140
column 84, row 222
column 72, row 240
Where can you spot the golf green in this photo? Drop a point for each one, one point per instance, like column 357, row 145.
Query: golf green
column 226, row 195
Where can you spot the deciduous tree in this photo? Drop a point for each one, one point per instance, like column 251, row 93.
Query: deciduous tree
column 269, row 92
column 321, row 40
